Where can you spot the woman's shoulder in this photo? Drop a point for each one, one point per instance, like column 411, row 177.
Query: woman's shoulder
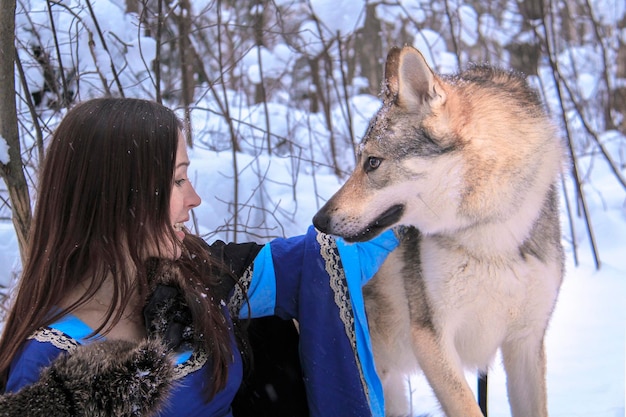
column 64, row 335
column 43, row 346
column 39, row 351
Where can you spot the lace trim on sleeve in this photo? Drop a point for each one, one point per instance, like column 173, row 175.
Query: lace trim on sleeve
column 237, row 300
column 195, row 362
column 57, row 338
column 62, row 341
column 339, row 285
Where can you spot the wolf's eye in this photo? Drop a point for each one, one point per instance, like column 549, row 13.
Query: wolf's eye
column 372, row 163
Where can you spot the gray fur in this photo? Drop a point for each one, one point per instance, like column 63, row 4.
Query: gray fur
column 102, row 379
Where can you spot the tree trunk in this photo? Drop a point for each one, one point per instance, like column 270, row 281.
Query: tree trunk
column 619, row 92
column 186, row 64
column 370, row 50
column 12, row 170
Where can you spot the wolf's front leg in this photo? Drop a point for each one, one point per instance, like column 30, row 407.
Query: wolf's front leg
column 525, row 366
column 443, row 374
column 395, row 389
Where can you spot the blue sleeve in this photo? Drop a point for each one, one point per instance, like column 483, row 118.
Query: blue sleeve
column 38, row 354
column 261, row 292
column 362, row 260
column 29, row 363
column 271, row 291
column 317, row 279
column 279, row 267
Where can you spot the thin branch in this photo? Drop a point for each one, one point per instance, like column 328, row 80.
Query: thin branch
column 455, row 45
column 105, row 47
column 61, row 96
column 31, row 108
column 346, row 96
column 557, row 82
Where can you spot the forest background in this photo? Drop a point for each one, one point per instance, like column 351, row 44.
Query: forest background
column 276, row 94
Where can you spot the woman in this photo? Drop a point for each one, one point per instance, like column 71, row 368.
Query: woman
column 109, row 234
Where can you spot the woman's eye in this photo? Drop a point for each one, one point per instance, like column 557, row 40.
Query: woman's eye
column 180, row 182
column 372, row 163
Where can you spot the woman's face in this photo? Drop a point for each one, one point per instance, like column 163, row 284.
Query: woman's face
column 183, row 198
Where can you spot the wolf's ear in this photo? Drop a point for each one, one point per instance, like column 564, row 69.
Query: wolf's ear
column 415, row 83
column 390, row 86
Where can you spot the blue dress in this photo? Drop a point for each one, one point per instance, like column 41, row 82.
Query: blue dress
column 65, row 335
column 312, row 278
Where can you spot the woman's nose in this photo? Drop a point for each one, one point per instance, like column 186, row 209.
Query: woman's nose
column 193, row 199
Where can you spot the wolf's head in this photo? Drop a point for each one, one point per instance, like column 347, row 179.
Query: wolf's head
column 445, row 153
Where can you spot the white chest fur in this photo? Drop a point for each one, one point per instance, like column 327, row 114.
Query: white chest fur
column 478, row 303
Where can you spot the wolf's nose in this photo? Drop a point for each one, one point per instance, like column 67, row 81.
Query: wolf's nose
column 321, row 221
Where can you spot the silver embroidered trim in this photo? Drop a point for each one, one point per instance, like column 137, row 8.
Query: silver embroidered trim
column 339, row 285
column 236, row 302
column 56, row 337
column 195, row 362
column 62, row 341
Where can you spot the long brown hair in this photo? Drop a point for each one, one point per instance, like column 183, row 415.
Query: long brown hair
column 103, row 198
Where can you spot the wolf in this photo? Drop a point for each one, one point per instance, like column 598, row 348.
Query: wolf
column 470, row 162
